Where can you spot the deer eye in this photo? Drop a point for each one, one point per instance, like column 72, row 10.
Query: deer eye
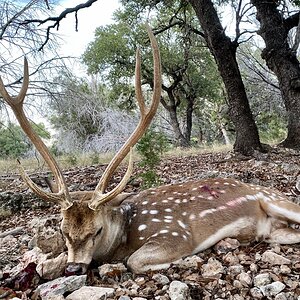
column 99, row 231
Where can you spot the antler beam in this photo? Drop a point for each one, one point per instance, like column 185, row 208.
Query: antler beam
column 16, row 104
column 147, row 114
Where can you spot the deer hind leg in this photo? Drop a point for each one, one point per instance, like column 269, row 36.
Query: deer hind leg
column 283, row 211
column 157, row 254
column 284, row 236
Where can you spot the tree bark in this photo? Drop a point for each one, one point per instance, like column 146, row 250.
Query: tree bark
column 180, row 139
column 283, row 62
column 224, row 52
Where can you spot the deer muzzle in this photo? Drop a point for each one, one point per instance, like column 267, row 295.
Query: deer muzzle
column 76, row 269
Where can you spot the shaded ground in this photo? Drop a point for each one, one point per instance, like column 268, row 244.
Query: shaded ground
column 279, row 169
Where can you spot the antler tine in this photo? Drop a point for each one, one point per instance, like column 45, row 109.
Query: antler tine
column 16, row 104
column 147, row 115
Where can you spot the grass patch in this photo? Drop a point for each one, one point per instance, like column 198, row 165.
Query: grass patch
column 10, row 166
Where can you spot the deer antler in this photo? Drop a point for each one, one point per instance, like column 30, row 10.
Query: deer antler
column 16, row 103
column 147, row 115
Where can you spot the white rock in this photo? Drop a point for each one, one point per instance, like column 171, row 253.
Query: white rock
column 162, row 279
column 235, row 270
column 245, row 279
column 281, row 296
column 178, row 291
column 256, row 293
column 272, row 289
column 60, row 286
column 91, row 293
column 212, row 268
column 189, row 262
column 52, row 268
column 274, row 258
column 262, row 279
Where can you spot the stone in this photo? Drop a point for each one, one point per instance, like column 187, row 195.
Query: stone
column 53, row 268
column 245, row 279
column 48, row 236
column 262, row 279
column 256, row 293
column 161, row 279
column 274, row 258
column 212, row 268
column 281, row 296
column 272, row 289
column 60, row 286
column 190, row 262
column 91, row 293
column 112, row 270
column 227, row 245
column 179, row 291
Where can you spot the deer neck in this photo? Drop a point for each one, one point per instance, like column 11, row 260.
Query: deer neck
column 115, row 235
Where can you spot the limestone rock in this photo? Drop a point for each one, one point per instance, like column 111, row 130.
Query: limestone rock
column 52, row 268
column 212, row 268
column 274, row 258
column 91, row 293
column 179, row 291
column 60, row 286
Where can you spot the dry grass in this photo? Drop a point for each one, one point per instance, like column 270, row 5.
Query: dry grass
column 10, row 166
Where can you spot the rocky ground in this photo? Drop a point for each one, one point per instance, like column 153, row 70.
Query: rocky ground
column 226, row 271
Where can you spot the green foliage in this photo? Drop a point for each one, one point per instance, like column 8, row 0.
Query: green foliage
column 152, row 145
column 13, row 142
column 72, row 159
column 271, row 127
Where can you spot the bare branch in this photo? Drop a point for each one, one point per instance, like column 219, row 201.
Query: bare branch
column 56, row 20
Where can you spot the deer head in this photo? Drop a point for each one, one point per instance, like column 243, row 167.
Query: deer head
column 91, row 220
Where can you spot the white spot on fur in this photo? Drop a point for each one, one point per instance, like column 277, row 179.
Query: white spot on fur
column 141, row 238
column 164, row 231
column 181, row 224
column 194, row 189
column 184, row 213
column 184, row 200
column 165, row 201
column 167, row 221
column 174, row 233
column 144, row 212
column 153, row 212
column 144, row 202
column 192, row 217
column 193, row 198
column 168, row 217
column 170, row 198
column 184, row 237
column 156, row 220
column 142, row 227
column 177, row 201
column 168, row 210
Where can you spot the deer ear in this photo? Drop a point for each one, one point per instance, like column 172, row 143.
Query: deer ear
column 119, row 199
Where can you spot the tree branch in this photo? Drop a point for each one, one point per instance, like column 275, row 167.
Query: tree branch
column 56, row 20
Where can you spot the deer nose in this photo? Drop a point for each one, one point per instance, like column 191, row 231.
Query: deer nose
column 75, row 269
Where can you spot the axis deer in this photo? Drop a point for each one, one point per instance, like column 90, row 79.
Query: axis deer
column 158, row 226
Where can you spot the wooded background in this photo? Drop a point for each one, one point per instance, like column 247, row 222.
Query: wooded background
column 224, row 81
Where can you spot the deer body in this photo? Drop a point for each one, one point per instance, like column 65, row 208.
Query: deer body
column 159, row 226
column 156, row 227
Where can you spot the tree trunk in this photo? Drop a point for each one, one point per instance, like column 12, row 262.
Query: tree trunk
column 180, row 139
column 224, row 52
column 189, row 118
column 283, row 62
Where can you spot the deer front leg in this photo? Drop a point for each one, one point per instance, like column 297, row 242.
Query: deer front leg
column 157, row 254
